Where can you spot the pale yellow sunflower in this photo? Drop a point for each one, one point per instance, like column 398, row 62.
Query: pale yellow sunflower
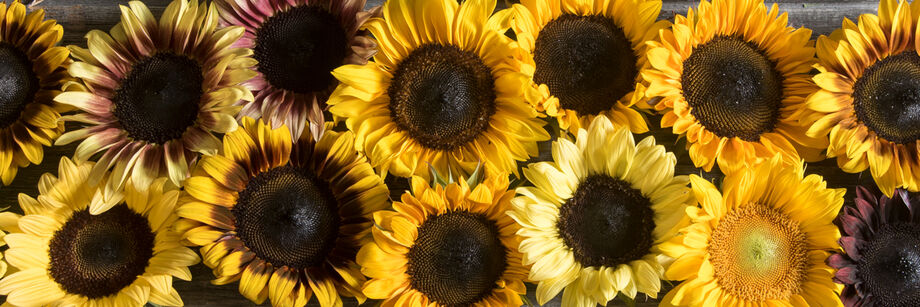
column 594, row 219
column 72, row 247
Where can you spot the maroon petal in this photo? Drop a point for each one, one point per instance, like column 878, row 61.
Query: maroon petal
column 867, row 212
column 846, row 275
column 853, row 247
column 853, row 225
column 838, row 261
column 864, row 193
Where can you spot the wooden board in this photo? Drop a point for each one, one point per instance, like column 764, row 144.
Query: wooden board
column 81, row 16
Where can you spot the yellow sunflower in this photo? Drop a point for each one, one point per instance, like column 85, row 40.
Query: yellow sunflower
column 446, row 246
column 584, row 59
column 34, row 70
column 595, row 215
column 285, row 219
column 733, row 78
column 763, row 241
column 72, row 247
column 156, row 92
column 443, row 90
column 868, row 99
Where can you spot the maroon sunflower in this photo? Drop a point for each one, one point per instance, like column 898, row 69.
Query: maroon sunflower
column 881, row 263
column 297, row 43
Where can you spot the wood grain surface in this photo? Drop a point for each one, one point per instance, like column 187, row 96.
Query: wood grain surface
column 80, row 16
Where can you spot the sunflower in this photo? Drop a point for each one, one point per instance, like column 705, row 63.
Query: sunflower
column 869, row 74
column 156, row 92
column 881, row 263
column 763, row 243
column 733, row 78
column 285, row 219
column 584, row 59
column 72, row 247
column 34, row 70
column 297, row 44
column 443, row 91
column 596, row 214
column 447, row 245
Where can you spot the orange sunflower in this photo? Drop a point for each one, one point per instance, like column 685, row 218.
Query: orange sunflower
column 733, row 78
column 447, row 245
column 869, row 95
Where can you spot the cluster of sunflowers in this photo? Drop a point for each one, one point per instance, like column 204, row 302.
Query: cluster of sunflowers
column 265, row 132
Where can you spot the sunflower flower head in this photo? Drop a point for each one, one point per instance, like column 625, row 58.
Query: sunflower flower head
column 881, row 263
column 598, row 212
column 284, row 218
column 443, row 91
column 297, row 44
column 763, row 240
column 73, row 247
column 34, row 70
column 867, row 108
column 585, row 59
column 733, row 78
column 447, row 245
column 156, row 92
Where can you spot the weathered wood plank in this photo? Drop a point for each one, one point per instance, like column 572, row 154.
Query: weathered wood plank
column 81, row 16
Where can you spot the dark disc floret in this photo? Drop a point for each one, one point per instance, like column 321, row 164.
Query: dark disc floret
column 297, row 49
column 288, row 217
column 606, row 222
column 586, row 61
column 442, row 96
column 457, row 258
column 18, row 83
column 99, row 255
column 887, row 98
column 890, row 265
column 159, row 98
column 733, row 88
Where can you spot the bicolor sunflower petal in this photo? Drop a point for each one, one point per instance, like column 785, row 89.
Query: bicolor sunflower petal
column 763, row 240
column 447, row 245
column 595, row 216
column 34, row 70
column 584, row 60
column 156, row 92
column 285, row 219
column 74, row 248
column 733, row 78
column 443, row 91
column 297, row 44
column 865, row 106
column 880, row 263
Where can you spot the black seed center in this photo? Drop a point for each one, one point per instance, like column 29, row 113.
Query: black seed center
column 442, row 96
column 298, row 48
column 733, row 89
column 606, row 222
column 18, row 83
column 890, row 266
column 99, row 255
column 457, row 258
column 586, row 61
column 887, row 98
column 159, row 98
column 288, row 217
